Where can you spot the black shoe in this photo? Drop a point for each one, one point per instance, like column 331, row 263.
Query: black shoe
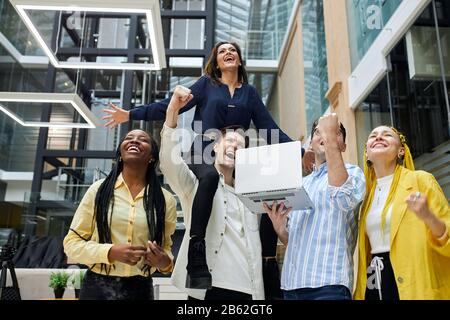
column 198, row 275
column 271, row 277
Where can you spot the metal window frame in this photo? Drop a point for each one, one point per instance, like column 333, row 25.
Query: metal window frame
column 45, row 155
column 149, row 8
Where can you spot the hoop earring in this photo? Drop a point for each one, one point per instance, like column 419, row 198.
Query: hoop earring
column 369, row 163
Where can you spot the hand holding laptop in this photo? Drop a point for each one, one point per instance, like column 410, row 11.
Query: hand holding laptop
column 278, row 214
column 275, row 207
column 271, row 173
column 275, row 211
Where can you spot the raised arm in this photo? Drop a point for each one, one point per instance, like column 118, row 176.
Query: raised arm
column 329, row 129
column 180, row 178
column 346, row 184
column 181, row 97
column 153, row 111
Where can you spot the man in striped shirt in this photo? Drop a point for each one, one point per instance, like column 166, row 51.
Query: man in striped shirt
column 318, row 263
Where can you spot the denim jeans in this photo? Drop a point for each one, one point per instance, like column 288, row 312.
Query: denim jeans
column 334, row 292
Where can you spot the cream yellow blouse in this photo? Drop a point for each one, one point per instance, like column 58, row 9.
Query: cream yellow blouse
column 129, row 226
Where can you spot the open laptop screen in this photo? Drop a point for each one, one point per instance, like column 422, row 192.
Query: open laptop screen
column 269, row 168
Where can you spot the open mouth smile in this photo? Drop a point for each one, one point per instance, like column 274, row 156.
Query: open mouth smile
column 133, row 149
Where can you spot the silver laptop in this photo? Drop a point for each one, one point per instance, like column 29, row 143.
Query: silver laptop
column 268, row 173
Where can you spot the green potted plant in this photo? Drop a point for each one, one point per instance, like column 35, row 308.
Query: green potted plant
column 76, row 281
column 58, row 281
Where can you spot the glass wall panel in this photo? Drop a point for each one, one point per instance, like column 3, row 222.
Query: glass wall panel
column 366, row 19
column 18, row 143
column 315, row 60
column 12, row 27
column 258, row 27
column 374, row 112
column 414, row 97
column 183, row 4
column 187, row 34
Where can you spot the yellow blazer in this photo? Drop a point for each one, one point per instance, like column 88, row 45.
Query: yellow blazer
column 421, row 265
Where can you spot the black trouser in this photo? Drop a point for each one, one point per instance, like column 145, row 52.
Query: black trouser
column 101, row 287
column 208, row 180
column 389, row 290
column 224, row 294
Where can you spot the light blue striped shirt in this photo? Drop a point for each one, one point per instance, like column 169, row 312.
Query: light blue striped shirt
column 322, row 241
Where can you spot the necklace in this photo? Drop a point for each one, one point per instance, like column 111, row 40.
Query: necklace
column 383, row 184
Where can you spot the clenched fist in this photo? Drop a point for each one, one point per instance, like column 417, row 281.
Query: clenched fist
column 181, row 96
column 329, row 125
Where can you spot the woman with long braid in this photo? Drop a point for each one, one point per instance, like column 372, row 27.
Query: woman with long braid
column 123, row 226
column 404, row 244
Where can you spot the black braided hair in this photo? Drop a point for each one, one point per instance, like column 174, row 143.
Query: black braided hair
column 154, row 201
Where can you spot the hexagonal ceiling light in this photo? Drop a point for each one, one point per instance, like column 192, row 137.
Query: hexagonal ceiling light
column 148, row 7
column 56, row 98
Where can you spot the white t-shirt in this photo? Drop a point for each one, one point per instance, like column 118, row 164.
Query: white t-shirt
column 233, row 252
column 379, row 241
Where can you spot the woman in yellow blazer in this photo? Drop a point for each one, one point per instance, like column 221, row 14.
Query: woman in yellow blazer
column 404, row 245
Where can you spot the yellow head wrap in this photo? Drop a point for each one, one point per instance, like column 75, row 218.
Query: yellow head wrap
column 371, row 180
